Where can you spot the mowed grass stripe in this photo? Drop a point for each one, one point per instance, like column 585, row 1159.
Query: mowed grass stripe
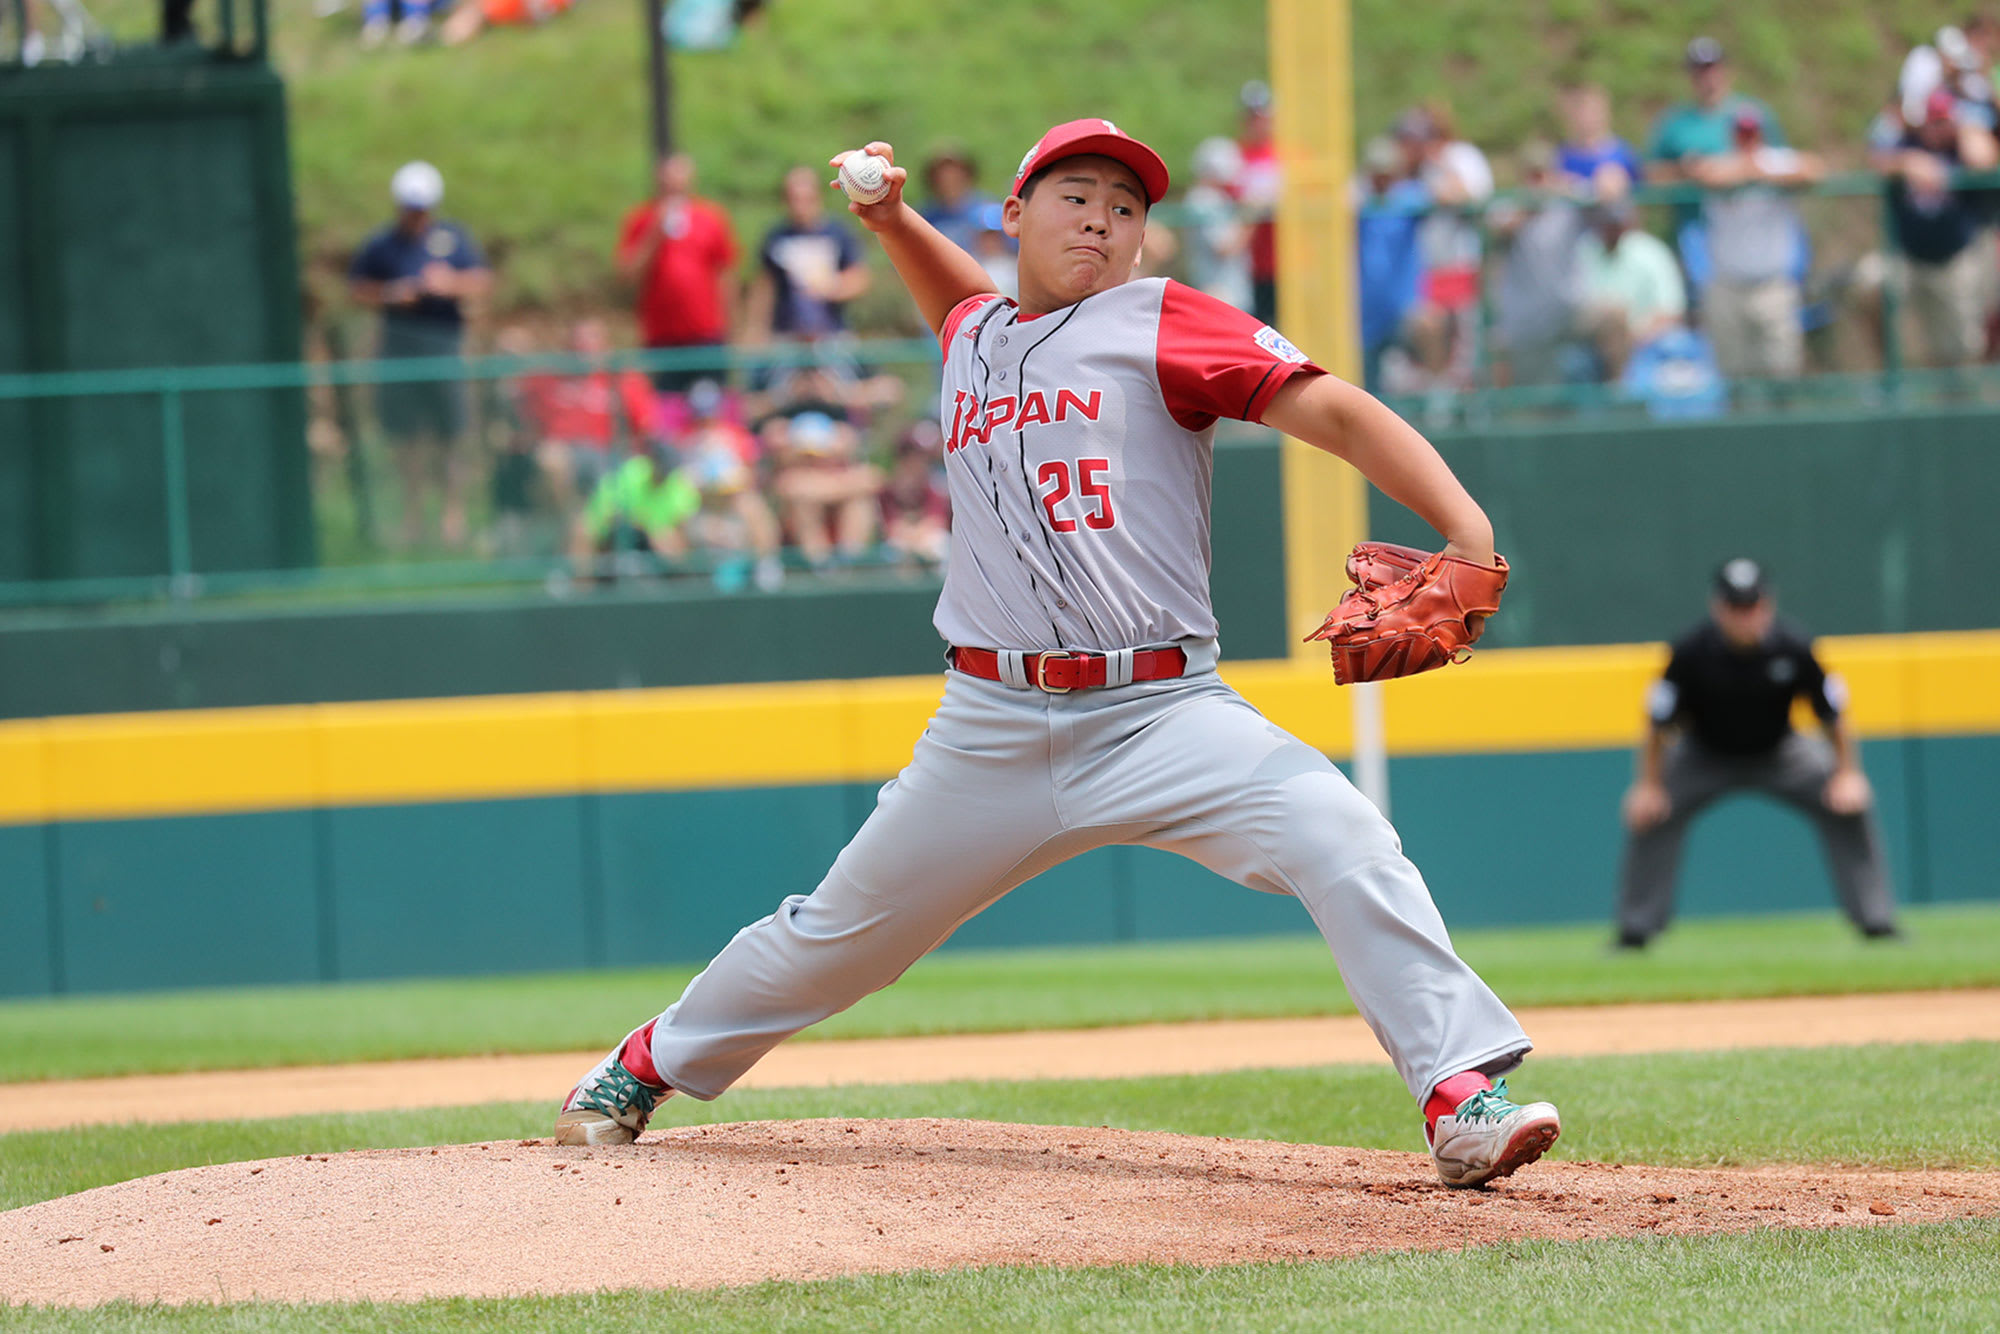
column 1937, row 1277
column 1895, row 1106
column 1128, row 1052
column 1002, row 991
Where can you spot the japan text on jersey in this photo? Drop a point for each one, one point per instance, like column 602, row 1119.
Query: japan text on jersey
column 1078, row 447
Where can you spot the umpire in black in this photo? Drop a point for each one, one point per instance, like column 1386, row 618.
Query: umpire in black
column 1721, row 723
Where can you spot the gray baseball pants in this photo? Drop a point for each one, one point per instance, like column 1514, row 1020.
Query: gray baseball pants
column 1795, row 773
column 1007, row 782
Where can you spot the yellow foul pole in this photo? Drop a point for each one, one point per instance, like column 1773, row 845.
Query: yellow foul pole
column 1325, row 506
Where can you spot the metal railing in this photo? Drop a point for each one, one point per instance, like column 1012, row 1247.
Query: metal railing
column 347, row 475
column 346, row 487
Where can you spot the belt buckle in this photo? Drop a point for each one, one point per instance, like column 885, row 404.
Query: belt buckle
column 1039, row 677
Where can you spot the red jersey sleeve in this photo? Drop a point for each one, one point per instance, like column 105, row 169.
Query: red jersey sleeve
column 1215, row 361
column 959, row 314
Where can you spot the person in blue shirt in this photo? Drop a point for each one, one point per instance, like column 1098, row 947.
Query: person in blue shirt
column 1391, row 262
column 1591, row 149
column 956, row 205
column 421, row 271
column 1706, row 126
column 1689, row 132
column 809, row 267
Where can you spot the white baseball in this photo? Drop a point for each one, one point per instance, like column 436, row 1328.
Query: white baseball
column 865, row 177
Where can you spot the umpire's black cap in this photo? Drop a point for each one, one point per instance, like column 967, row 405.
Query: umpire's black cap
column 1740, row 582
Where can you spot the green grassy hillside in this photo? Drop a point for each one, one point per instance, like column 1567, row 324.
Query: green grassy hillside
column 541, row 132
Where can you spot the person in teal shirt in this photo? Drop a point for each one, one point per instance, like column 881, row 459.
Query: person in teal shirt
column 1706, row 126
column 641, row 505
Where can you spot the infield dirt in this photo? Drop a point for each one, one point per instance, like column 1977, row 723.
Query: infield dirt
column 815, row 1199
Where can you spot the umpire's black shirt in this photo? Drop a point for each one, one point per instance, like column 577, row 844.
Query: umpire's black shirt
column 1739, row 701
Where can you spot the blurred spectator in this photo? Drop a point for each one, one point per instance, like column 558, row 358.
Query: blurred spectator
column 470, row 17
column 1458, row 178
column 827, row 492
column 1706, row 126
column 639, row 507
column 1754, row 233
column 1258, row 184
column 1938, row 227
column 30, row 47
column 1538, row 297
column 1218, row 244
column 720, row 460
column 1675, row 377
column 514, row 439
column 916, row 506
column 581, row 418
column 176, row 22
column 827, row 495
column 1389, row 206
column 956, row 206
column 1632, row 285
column 1601, row 162
column 810, row 267
column 1159, row 247
column 410, row 20
column 679, row 251
column 421, row 271
column 997, row 253
column 1958, row 60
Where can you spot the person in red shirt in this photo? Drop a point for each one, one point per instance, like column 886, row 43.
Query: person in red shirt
column 681, row 253
column 581, row 419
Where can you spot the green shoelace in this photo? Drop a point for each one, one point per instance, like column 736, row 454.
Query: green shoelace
column 617, row 1092
column 1486, row 1105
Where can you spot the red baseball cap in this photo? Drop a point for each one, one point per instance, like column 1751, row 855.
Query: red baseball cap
column 1101, row 137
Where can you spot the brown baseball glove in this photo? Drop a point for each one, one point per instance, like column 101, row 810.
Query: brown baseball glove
column 1410, row 611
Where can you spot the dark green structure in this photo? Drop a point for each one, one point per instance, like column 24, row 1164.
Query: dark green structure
column 146, row 221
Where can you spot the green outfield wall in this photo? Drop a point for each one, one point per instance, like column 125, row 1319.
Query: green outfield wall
column 625, row 879
column 1868, row 521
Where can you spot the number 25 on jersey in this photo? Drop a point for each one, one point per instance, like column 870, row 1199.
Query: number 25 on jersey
column 1053, row 480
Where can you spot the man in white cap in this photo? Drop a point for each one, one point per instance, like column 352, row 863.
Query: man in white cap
column 421, row 271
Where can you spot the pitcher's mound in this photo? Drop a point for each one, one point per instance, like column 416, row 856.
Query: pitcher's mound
column 715, row 1205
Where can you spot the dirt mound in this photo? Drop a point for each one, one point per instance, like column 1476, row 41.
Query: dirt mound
column 716, row 1205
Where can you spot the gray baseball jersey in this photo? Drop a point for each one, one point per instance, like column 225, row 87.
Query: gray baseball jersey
column 1078, row 451
column 1078, row 445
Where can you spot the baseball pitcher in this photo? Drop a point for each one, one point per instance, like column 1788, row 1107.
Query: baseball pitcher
column 1082, row 707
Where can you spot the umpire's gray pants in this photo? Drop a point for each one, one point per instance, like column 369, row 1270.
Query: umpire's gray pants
column 1007, row 783
column 1795, row 773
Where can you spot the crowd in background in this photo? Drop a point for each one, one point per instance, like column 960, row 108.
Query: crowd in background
column 796, row 448
column 1560, row 282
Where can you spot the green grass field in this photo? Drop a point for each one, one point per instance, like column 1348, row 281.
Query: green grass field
column 1950, row 946
column 1904, row 1106
column 1938, row 1277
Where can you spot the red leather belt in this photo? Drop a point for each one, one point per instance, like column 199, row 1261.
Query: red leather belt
column 1060, row 671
